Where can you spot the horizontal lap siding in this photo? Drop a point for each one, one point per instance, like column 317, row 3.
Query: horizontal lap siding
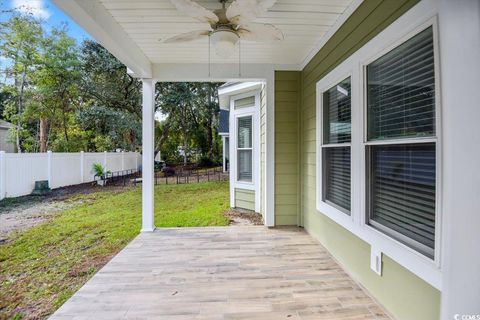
column 245, row 199
column 287, row 104
column 403, row 294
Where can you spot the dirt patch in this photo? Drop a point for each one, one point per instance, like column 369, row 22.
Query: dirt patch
column 21, row 213
column 240, row 217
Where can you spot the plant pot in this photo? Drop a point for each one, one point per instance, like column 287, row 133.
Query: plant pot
column 102, row 182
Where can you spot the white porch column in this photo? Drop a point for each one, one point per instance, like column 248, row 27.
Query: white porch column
column 224, row 153
column 459, row 24
column 148, row 110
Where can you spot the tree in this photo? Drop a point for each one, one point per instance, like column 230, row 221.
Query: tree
column 20, row 40
column 105, row 80
column 191, row 109
column 56, row 84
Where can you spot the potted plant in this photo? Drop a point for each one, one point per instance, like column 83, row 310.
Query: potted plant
column 100, row 172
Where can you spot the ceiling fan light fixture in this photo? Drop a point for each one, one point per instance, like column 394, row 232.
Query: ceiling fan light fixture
column 224, row 42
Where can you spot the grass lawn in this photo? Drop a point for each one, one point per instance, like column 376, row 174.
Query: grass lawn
column 42, row 267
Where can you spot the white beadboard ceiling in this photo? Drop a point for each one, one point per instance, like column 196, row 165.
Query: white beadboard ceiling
column 303, row 22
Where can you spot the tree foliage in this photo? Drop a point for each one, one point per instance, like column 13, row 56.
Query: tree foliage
column 67, row 97
column 191, row 110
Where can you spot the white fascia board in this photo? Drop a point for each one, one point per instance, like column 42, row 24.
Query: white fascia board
column 198, row 72
column 92, row 16
column 225, row 93
column 240, row 88
column 340, row 21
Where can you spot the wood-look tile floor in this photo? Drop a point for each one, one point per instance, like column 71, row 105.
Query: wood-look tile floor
column 221, row 273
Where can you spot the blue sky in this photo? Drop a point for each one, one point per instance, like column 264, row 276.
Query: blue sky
column 47, row 11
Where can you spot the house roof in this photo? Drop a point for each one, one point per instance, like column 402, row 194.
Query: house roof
column 7, row 125
column 224, row 125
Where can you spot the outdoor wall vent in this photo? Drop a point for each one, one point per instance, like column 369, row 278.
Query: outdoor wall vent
column 376, row 260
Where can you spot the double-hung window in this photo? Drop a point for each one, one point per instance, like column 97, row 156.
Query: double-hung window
column 378, row 140
column 336, row 139
column 401, row 143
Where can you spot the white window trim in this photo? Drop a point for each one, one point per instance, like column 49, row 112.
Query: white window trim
column 253, row 111
column 411, row 23
column 324, row 206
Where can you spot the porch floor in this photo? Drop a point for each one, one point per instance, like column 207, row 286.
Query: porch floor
column 221, row 273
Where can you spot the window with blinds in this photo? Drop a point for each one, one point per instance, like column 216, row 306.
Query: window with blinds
column 336, row 146
column 244, row 149
column 401, row 91
column 401, row 178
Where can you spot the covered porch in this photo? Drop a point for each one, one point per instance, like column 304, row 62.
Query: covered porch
column 266, row 273
column 222, row 273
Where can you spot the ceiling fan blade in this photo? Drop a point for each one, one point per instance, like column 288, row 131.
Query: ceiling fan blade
column 195, row 10
column 189, row 36
column 242, row 12
column 260, row 32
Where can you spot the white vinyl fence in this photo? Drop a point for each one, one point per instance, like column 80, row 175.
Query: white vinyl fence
column 19, row 171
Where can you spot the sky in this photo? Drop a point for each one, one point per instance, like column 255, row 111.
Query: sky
column 46, row 10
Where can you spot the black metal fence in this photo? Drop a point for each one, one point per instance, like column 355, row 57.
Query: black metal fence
column 188, row 175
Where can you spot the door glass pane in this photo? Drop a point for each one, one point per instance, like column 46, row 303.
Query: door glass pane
column 245, row 165
column 245, row 132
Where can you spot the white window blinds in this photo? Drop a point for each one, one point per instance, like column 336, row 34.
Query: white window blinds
column 336, row 146
column 244, row 148
column 401, row 180
column 401, row 91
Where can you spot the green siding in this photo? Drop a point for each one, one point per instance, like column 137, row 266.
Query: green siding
column 403, row 294
column 287, row 105
column 245, row 199
column 245, row 102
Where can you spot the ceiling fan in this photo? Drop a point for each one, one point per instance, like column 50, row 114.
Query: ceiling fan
column 228, row 25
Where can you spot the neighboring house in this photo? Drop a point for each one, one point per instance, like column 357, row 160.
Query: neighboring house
column 5, row 144
column 368, row 138
column 224, row 132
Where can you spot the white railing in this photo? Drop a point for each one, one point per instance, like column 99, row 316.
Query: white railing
column 19, row 171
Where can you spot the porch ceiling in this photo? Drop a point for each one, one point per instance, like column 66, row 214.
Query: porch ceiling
column 145, row 23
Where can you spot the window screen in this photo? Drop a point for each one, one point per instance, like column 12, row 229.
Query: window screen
column 336, row 145
column 244, row 149
column 401, row 180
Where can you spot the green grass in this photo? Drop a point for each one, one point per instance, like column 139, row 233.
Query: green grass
column 42, row 267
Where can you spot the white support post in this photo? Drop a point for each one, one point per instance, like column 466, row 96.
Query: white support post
column 148, row 110
column 270, row 153
column 49, row 168
column 82, row 165
column 123, row 161
column 459, row 32
column 224, row 153
column 3, row 173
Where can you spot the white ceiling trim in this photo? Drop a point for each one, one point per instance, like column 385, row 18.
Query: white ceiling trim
column 340, row 21
column 92, row 16
column 220, row 72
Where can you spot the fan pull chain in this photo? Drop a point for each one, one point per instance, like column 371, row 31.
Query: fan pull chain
column 209, row 70
column 239, row 58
